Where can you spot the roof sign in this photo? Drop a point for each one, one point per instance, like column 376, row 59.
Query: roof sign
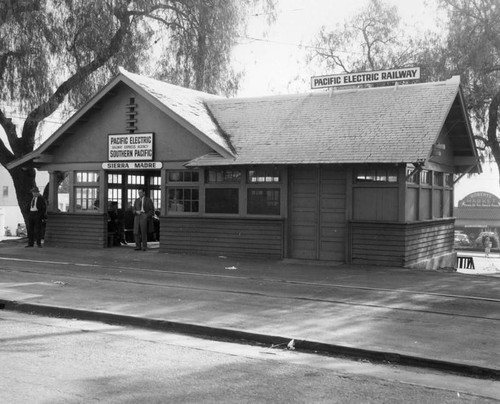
column 354, row 79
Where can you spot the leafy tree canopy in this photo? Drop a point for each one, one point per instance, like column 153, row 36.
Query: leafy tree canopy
column 472, row 49
column 57, row 51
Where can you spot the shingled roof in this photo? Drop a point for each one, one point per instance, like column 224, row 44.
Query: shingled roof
column 395, row 124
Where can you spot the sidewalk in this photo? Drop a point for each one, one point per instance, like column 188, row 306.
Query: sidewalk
column 444, row 320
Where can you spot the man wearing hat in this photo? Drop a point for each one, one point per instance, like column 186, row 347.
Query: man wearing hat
column 37, row 210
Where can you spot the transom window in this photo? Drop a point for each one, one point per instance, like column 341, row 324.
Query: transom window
column 264, row 175
column 223, row 175
column 87, row 176
column 183, row 176
column 378, row 174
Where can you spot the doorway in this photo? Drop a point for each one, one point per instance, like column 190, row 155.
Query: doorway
column 123, row 190
column 317, row 213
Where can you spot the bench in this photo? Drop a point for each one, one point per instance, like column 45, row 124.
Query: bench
column 465, row 262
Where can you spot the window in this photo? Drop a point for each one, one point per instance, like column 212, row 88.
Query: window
column 438, row 179
column 86, row 198
column 87, row 176
column 223, row 175
column 425, row 177
column 183, row 176
column 183, row 192
column 412, row 175
column 114, row 189
column 377, row 174
column 448, row 180
column 86, row 191
column 183, row 199
column 264, row 175
column 221, row 200
column 263, row 201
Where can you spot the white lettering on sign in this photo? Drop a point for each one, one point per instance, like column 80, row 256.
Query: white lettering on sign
column 130, row 146
column 351, row 79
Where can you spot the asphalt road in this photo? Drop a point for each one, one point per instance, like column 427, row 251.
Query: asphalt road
column 442, row 316
column 50, row 360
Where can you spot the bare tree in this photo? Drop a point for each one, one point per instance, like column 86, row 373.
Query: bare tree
column 373, row 39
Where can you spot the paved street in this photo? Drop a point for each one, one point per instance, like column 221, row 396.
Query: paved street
column 53, row 360
column 427, row 318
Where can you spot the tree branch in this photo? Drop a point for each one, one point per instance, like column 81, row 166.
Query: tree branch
column 47, row 108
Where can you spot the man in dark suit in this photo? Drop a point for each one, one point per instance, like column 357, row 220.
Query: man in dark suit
column 37, row 212
column 144, row 211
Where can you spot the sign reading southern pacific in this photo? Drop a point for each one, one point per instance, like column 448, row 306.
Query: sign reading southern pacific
column 354, row 79
column 130, row 147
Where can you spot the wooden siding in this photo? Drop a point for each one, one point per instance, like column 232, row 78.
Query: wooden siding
column 76, row 230
column 252, row 238
column 400, row 244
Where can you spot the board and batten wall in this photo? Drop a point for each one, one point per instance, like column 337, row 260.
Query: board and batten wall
column 251, row 238
column 76, row 230
column 414, row 244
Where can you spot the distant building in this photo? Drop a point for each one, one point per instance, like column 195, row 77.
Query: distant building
column 359, row 175
column 478, row 212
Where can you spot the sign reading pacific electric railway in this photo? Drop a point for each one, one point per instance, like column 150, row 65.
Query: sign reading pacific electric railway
column 354, row 79
column 130, row 147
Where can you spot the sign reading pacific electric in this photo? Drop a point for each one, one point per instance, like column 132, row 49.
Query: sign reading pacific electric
column 130, row 147
column 353, row 79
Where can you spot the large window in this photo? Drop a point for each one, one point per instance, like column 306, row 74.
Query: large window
column 222, row 190
column 263, row 201
column 221, row 200
column 183, row 199
column 263, row 194
column 86, row 190
column 183, row 192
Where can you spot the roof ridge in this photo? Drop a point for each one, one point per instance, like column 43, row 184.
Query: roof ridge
column 141, row 78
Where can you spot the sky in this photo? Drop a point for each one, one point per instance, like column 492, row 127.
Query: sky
column 273, row 59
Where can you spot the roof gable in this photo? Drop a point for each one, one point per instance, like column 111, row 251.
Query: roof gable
column 185, row 106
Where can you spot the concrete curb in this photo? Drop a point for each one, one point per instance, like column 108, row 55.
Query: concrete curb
column 248, row 337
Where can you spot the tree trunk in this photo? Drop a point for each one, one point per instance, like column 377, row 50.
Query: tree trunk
column 24, row 181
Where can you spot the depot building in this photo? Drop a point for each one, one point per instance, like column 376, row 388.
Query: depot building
column 349, row 175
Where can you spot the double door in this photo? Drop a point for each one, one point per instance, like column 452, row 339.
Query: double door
column 123, row 190
column 317, row 213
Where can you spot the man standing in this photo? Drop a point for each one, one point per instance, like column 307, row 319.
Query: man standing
column 37, row 210
column 143, row 213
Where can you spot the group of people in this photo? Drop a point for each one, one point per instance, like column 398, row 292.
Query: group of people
column 143, row 212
